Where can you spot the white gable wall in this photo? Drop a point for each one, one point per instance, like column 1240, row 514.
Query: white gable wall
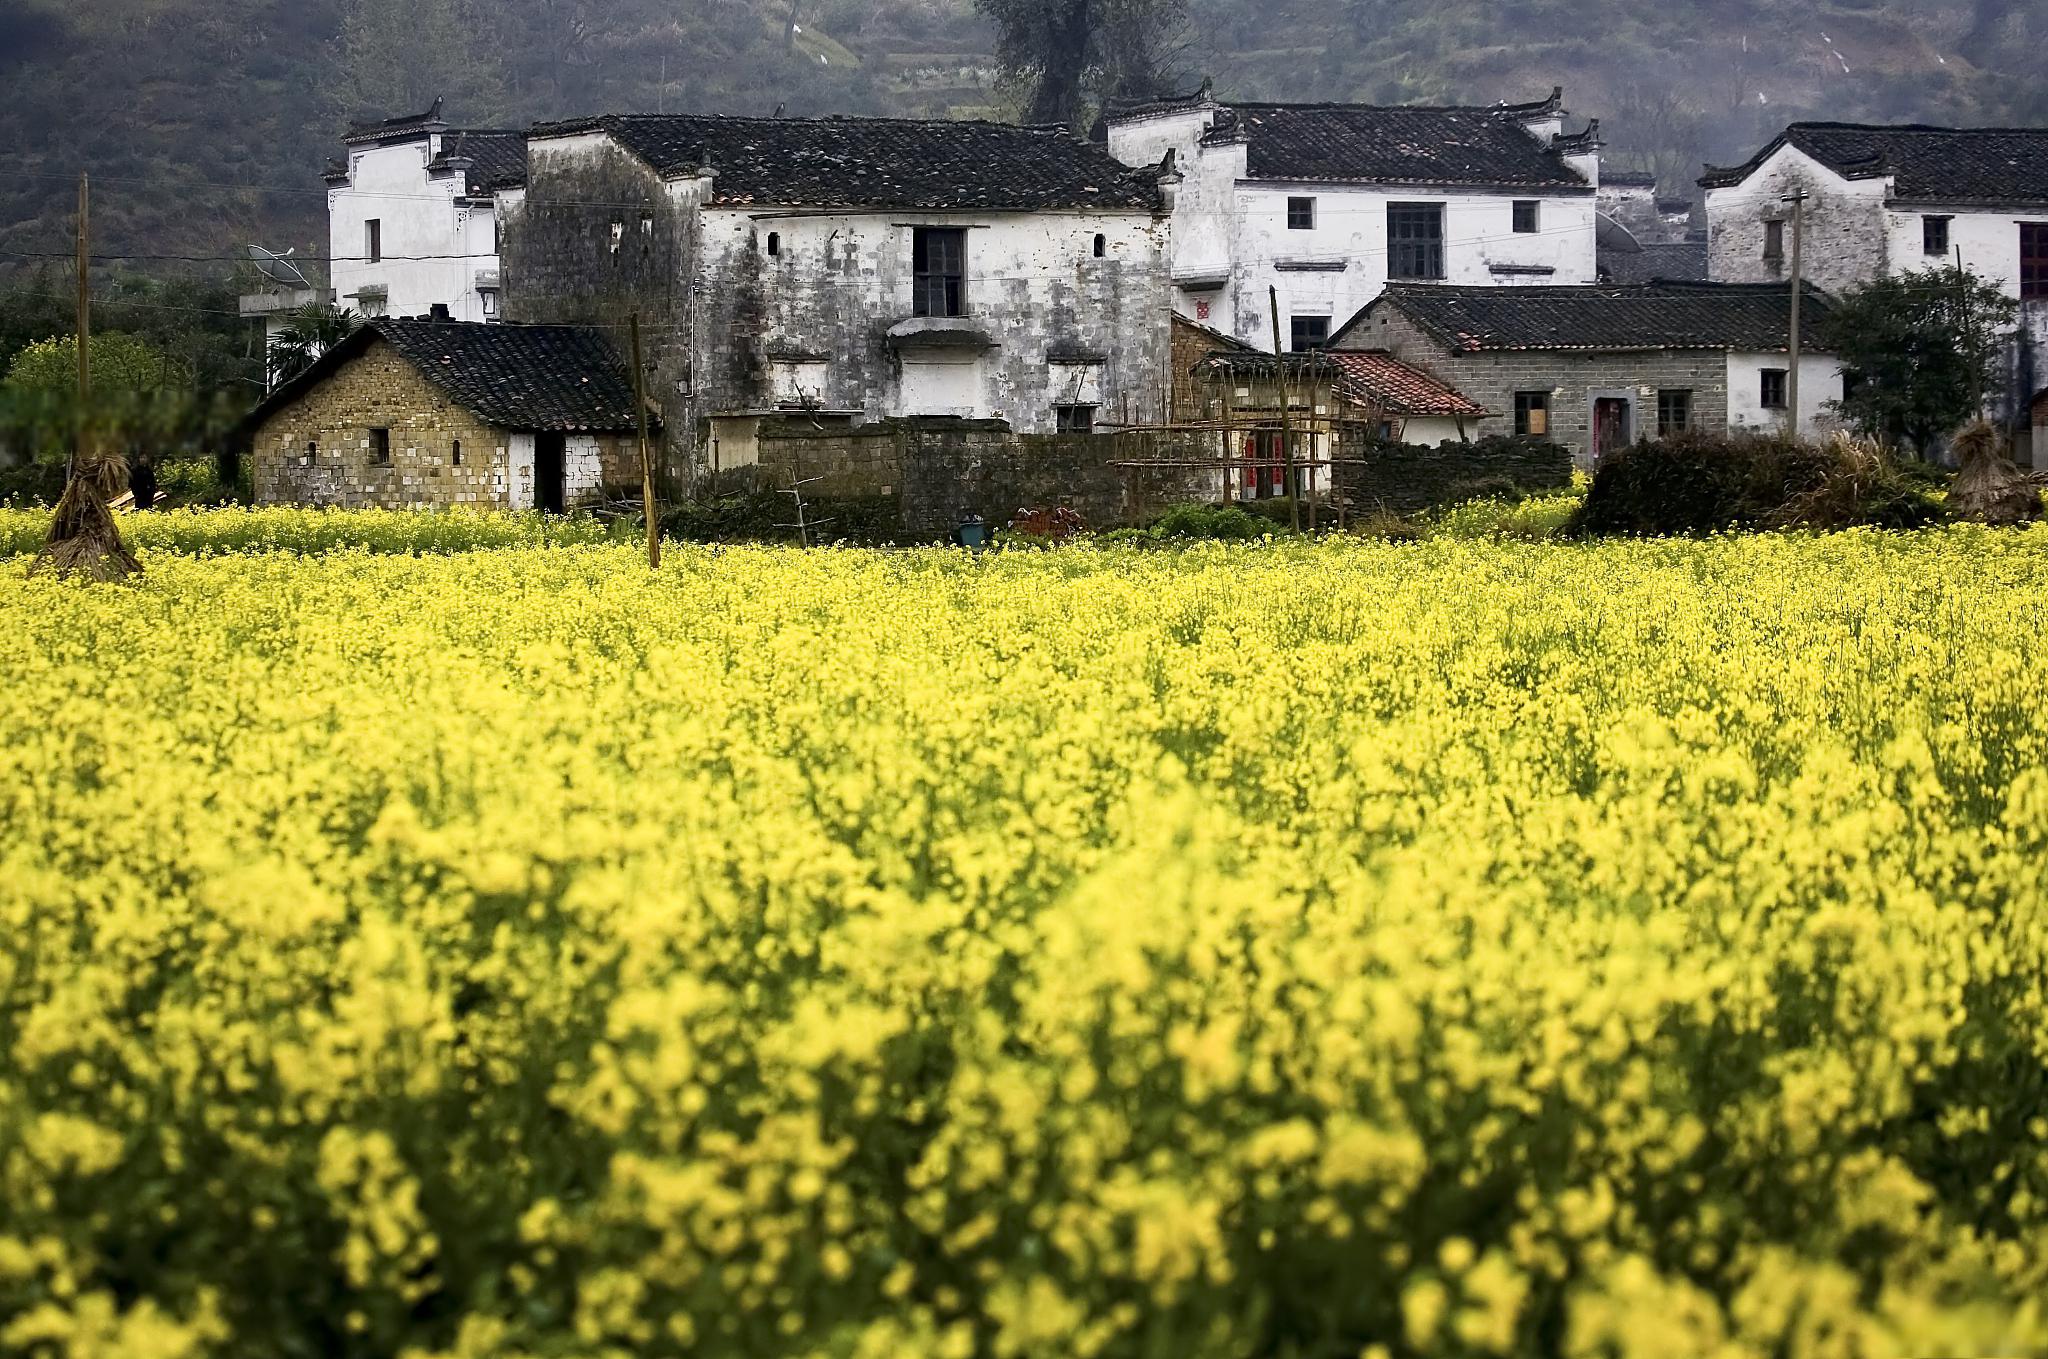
column 1820, row 385
column 419, row 216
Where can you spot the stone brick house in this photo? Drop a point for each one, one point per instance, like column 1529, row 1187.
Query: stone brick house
column 1887, row 199
column 442, row 413
column 856, row 268
column 1595, row 368
column 1325, row 203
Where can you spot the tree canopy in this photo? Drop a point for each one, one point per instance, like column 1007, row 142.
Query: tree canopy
column 1919, row 350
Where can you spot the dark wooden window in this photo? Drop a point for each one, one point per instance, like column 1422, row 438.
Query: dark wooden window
column 1773, row 395
column 2033, row 260
column 1309, row 332
column 1527, row 215
column 1674, row 412
column 938, row 268
column 380, row 447
column 1934, row 235
column 1415, row 240
column 373, row 240
column 1301, row 214
column 1532, row 414
column 1774, row 240
column 1073, row 419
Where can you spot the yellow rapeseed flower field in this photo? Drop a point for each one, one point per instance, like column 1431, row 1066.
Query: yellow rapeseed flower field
column 1462, row 948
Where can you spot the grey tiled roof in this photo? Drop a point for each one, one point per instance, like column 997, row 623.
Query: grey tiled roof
column 1679, row 261
column 529, row 378
column 1369, row 144
column 1748, row 317
column 878, row 162
column 1932, row 164
column 496, row 156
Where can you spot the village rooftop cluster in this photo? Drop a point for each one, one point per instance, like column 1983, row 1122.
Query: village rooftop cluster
column 1444, row 273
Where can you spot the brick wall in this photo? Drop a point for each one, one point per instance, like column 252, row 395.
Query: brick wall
column 1492, row 379
column 379, row 389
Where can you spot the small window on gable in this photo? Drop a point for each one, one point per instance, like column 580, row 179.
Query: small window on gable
column 774, row 243
column 373, row 240
column 1301, row 214
column 380, row 447
column 1527, row 215
column 312, row 451
column 455, row 452
column 1101, row 245
column 618, row 234
column 646, row 224
column 1934, row 235
column 1774, row 240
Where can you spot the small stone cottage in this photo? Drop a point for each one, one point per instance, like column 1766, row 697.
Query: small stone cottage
column 426, row 412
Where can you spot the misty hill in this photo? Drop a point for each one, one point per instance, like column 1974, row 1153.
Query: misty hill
column 205, row 122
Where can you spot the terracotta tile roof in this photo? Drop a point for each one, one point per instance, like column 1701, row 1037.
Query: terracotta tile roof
column 878, row 162
column 1931, row 164
column 1746, row 317
column 1401, row 388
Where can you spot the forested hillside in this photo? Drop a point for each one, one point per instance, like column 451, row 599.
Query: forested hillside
column 205, row 122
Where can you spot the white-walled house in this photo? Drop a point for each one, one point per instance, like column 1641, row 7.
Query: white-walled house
column 854, row 268
column 1884, row 200
column 1329, row 202
column 412, row 219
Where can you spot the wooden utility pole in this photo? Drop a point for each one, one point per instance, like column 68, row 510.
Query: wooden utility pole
column 647, row 505
column 1798, row 202
column 82, row 448
column 1286, row 419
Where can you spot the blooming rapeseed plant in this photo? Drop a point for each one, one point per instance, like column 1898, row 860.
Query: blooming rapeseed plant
column 1462, row 948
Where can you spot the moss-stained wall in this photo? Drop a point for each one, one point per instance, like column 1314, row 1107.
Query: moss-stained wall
column 317, row 449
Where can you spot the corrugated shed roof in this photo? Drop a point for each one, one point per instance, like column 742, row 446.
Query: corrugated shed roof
column 879, row 162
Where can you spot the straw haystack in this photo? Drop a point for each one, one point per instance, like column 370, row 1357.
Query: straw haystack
column 84, row 540
column 1990, row 488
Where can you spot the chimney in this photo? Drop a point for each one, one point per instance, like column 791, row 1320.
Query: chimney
column 438, row 312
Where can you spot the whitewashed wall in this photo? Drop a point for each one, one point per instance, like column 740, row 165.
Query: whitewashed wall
column 420, row 216
column 837, row 282
column 1225, row 224
column 1820, row 383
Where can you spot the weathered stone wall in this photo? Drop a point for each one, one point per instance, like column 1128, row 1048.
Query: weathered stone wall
column 380, row 390
column 1845, row 232
column 562, row 264
column 1406, row 478
column 935, row 470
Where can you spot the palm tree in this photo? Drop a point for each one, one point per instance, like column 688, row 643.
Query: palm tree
column 310, row 332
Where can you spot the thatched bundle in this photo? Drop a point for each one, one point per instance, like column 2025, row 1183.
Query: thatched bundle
column 84, row 539
column 1989, row 487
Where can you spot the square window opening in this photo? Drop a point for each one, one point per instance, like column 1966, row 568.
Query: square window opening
column 1674, row 412
column 938, row 271
column 1308, row 332
column 1301, row 214
column 1073, row 419
column 1532, row 414
column 1934, row 236
column 1415, row 240
column 1528, row 216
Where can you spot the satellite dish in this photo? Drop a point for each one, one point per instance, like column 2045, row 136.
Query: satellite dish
column 279, row 269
